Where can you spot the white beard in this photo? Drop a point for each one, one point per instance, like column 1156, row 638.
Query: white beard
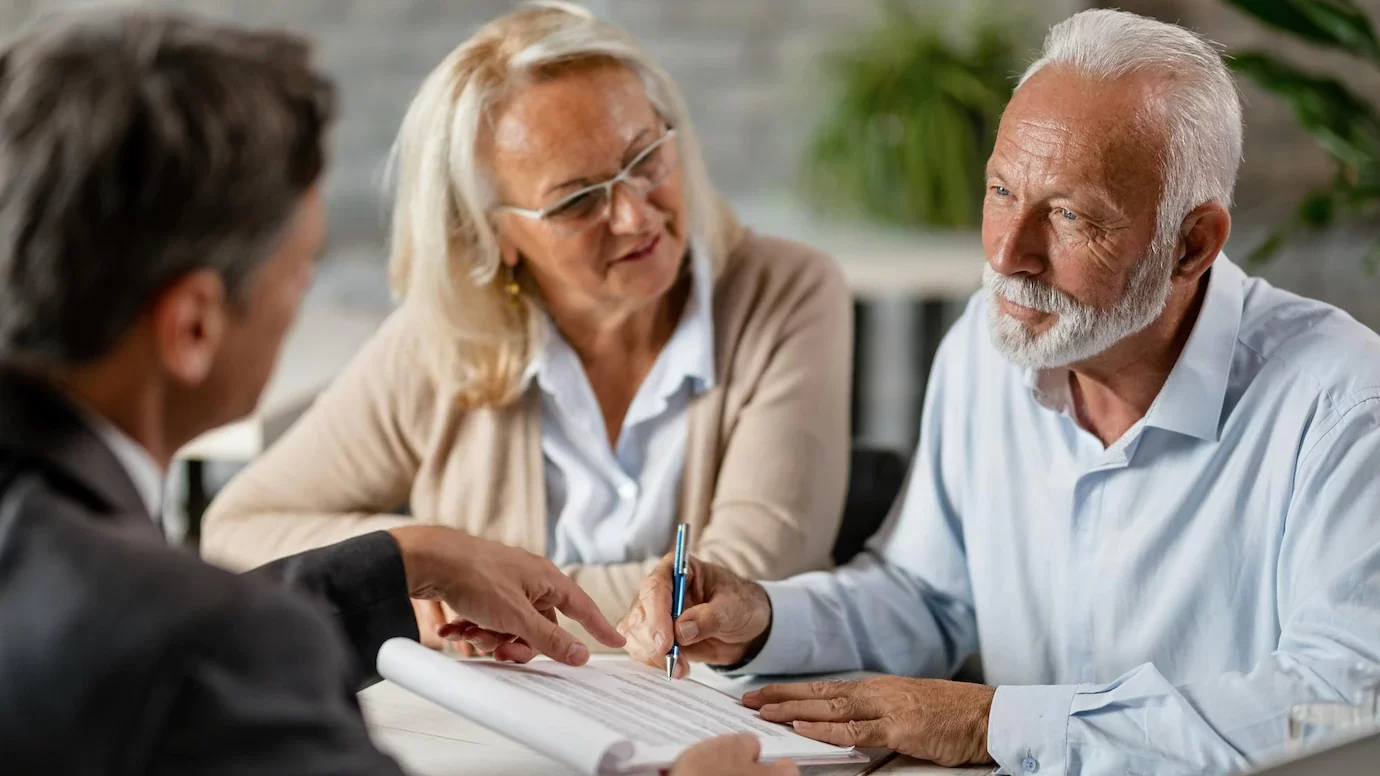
column 1080, row 331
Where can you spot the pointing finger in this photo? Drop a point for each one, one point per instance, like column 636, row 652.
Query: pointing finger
column 578, row 606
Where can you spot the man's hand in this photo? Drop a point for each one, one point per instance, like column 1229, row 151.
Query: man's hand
column 505, row 599
column 730, row 756
column 724, row 617
column 929, row 719
column 432, row 619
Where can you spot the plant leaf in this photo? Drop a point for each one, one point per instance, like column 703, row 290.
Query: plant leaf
column 1345, row 126
column 907, row 133
column 1318, row 209
column 1346, row 23
column 1336, row 23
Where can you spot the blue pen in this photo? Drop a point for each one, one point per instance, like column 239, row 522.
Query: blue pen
column 678, row 574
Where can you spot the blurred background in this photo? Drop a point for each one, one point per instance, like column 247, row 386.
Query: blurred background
column 855, row 125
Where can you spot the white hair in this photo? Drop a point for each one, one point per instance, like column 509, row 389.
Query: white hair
column 445, row 254
column 1201, row 109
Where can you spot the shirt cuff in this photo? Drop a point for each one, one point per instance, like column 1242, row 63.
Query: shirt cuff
column 788, row 645
column 1027, row 732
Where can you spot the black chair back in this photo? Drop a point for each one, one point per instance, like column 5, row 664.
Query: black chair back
column 873, row 486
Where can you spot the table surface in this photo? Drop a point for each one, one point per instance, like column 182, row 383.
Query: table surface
column 428, row 740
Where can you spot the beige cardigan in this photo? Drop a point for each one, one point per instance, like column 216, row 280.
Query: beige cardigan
column 765, row 466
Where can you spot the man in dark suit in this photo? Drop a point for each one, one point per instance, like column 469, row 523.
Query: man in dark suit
column 159, row 221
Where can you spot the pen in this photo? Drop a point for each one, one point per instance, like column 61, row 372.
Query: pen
column 678, row 574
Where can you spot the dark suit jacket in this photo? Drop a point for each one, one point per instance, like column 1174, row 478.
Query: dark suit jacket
column 120, row 654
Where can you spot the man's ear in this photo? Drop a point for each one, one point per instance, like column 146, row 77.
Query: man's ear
column 1201, row 237
column 189, row 320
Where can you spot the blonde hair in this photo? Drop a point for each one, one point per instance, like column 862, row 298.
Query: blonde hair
column 445, row 258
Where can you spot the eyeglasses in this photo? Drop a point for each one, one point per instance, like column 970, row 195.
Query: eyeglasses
column 591, row 205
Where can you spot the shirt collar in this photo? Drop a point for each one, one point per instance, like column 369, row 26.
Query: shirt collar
column 688, row 355
column 1192, row 398
column 143, row 471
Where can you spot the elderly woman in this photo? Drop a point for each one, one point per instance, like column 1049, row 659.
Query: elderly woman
column 589, row 348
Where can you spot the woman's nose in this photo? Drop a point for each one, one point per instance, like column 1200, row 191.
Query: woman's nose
column 629, row 210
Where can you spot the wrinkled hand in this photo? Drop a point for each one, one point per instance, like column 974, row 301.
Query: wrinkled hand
column 730, row 756
column 724, row 617
column 504, row 598
column 929, row 719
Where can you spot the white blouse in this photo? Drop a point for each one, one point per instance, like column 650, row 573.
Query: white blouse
column 613, row 504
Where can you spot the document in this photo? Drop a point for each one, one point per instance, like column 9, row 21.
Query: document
column 607, row 717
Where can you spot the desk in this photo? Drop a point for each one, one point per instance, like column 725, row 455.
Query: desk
column 428, row 740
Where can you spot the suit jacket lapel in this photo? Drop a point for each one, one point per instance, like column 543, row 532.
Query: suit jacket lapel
column 38, row 424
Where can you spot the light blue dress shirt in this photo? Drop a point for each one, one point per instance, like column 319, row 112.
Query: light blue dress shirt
column 613, row 504
column 1154, row 607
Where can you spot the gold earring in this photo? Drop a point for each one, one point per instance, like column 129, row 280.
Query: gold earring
column 514, row 290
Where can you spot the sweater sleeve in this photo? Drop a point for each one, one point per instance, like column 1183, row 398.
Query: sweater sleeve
column 781, row 479
column 338, row 473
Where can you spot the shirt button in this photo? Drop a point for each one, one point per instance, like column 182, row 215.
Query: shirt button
column 1030, row 764
column 627, row 491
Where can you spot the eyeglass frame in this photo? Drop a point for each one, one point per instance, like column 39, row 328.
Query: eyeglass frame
column 624, row 176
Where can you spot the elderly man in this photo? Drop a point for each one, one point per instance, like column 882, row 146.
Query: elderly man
column 1147, row 489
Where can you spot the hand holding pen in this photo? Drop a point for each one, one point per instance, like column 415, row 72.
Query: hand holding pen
column 721, row 619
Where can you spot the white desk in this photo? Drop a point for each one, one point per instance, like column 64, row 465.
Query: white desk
column 428, row 740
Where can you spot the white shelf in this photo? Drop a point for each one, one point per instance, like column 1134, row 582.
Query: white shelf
column 877, row 260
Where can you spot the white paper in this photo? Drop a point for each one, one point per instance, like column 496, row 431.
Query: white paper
column 557, row 732
column 603, row 718
column 430, row 740
column 660, row 717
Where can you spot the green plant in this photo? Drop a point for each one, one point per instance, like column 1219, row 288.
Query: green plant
column 907, row 138
column 1343, row 125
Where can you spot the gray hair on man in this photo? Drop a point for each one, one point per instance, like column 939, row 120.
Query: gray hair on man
column 1202, row 111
